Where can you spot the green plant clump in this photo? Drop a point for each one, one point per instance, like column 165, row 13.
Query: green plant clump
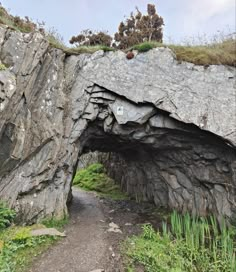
column 94, row 178
column 2, row 67
column 188, row 245
column 55, row 223
column 18, row 248
column 146, row 46
column 7, row 215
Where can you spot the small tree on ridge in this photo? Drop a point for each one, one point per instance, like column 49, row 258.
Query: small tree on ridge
column 139, row 28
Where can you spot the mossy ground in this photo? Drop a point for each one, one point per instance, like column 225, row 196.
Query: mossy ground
column 94, row 178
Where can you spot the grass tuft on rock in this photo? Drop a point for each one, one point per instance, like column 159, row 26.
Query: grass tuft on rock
column 223, row 52
column 94, row 178
column 58, row 224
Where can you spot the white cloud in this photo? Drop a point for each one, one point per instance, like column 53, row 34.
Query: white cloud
column 207, row 8
column 199, row 12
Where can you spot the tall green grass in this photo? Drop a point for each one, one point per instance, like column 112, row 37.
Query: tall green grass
column 187, row 244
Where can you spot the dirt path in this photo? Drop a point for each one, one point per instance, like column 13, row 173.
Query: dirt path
column 85, row 246
column 88, row 245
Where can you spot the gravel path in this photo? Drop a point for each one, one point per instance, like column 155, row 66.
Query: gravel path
column 89, row 246
column 85, row 247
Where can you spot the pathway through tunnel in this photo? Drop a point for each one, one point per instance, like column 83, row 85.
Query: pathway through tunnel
column 89, row 244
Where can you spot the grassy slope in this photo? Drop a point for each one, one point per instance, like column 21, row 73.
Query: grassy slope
column 94, row 178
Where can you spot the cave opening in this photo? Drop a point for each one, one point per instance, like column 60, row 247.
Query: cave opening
column 172, row 168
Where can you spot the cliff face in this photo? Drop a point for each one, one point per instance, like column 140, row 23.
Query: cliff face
column 169, row 126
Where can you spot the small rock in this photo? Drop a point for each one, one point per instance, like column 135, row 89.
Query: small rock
column 47, row 231
column 114, row 228
column 111, row 211
column 128, row 224
column 113, row 225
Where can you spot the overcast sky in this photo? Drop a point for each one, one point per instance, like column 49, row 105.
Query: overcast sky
column 183, row 18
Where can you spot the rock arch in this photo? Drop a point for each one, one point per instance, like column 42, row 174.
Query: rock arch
column 169, row 128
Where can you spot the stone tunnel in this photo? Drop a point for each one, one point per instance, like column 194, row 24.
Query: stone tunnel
column 168, row 127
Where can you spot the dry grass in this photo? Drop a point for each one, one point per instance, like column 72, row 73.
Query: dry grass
column 223, row 52
column 78, row 50
column 219, row 53
column 15, row 22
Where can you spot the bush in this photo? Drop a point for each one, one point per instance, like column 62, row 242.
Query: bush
column 139, row 27
column 7, row 215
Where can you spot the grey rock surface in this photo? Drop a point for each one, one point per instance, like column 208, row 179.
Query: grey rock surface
column 47, row 232
column 168, row 127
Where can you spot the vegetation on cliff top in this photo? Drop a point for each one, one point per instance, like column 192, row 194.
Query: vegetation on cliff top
column 222, row 51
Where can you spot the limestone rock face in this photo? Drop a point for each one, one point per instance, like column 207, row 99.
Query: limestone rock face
column 169, row 128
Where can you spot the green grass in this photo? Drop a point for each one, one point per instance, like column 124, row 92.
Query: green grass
column 187, row 245
column 94, row 178
column 55, row 223
column 86, row 49
column 223, row 52
column 7, row 215
column 17, row 247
